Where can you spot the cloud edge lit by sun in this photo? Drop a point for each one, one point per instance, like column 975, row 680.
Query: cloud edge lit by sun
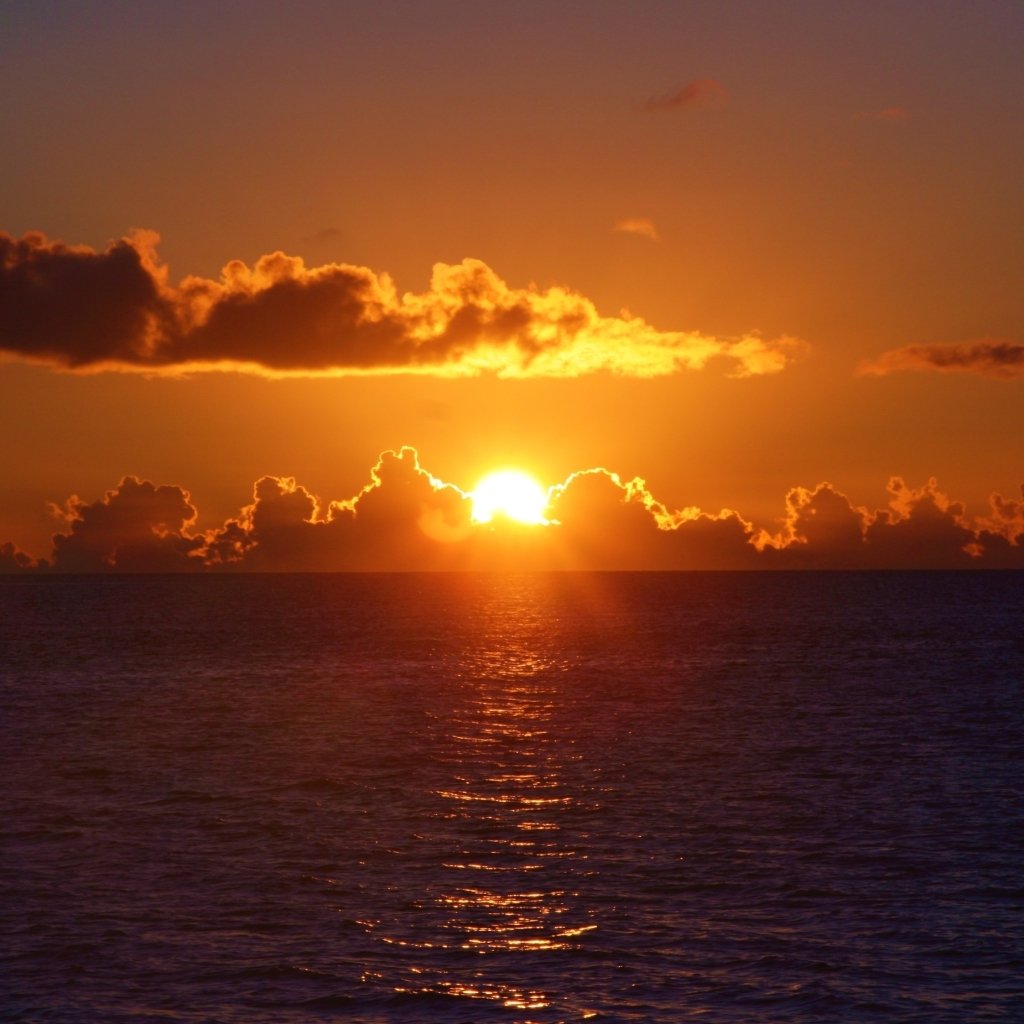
column 80, row 310
column 406, row 519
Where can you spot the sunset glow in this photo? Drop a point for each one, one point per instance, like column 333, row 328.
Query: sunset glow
column 511, row 510
column 631, row 254
column 510, row 493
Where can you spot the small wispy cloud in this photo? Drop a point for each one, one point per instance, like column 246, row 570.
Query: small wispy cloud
column 325, row 236
column 701, row 92
column 885, row 114
column 986, row 357
column 642, row 226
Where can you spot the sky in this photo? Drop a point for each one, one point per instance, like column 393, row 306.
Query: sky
column 757, row 265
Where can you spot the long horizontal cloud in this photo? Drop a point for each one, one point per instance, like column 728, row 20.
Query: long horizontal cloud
column 406, row 519
column 79, row 309
column 990, row 358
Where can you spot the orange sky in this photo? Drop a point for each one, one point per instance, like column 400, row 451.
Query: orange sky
column 732, row 249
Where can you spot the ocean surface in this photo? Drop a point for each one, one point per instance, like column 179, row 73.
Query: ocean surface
column 538, row 798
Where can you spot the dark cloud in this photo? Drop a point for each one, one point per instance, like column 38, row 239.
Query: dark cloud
column 701, row 92
column 1007, row 517
column 990, row 358
column 405, row 519
column 1000, row 537
column 83, row 310
column 13, row 559
column 612, row 524
column 821, row 529
column 921, row 529
column 76, row 307
column 604, row 522
column 138, row 527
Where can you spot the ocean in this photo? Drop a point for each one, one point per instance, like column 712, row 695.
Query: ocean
column 771, row 797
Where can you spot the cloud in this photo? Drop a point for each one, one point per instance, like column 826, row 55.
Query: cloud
column 701, row 92
column 820, row 529
column 325, row 236
column 78, row 309
column 885, row 114
column 13, row 559
column 1000, row 537
column 987, row 357
column 614, row 524
column 137, row 527
column 1006, row 518
column 921, row 529
column 637, row 226
column 405, row 519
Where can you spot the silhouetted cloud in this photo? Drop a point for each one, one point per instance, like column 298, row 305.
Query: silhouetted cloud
column 76, row 307
column 637, row 226
column 84, row 310
column 921, row 529
column 821, row 529
column 1007, row 517
column 13, row 559
column 138, row 527
column 603, row 521
column 407, row 519
column 988, row 357
column 403, row 518
column 701, row 92
column 1000, row 535
column 614, row 524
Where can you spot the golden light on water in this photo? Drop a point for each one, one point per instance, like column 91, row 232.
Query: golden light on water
column 509, row 902
column 510, row 493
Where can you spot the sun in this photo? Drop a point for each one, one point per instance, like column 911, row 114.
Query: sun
column 510, row 493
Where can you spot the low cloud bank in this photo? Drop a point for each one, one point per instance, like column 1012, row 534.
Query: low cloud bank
column 407, row 519
column 74, row 308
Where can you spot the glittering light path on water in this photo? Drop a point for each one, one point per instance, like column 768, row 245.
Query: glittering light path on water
column 511, row 884
column 521, row 799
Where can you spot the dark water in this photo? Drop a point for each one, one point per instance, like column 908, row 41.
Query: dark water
column 777, row 797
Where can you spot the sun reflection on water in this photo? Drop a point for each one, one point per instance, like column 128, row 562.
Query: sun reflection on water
column 510, row 875
column 511, row 798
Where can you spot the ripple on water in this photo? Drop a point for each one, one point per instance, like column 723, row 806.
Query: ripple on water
column 637, row 798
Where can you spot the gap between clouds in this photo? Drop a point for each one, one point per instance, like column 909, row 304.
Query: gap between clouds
column 405, row 519
column 75, row 308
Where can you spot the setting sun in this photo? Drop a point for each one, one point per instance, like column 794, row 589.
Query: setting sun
column 569, row 486
column 512, row 494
